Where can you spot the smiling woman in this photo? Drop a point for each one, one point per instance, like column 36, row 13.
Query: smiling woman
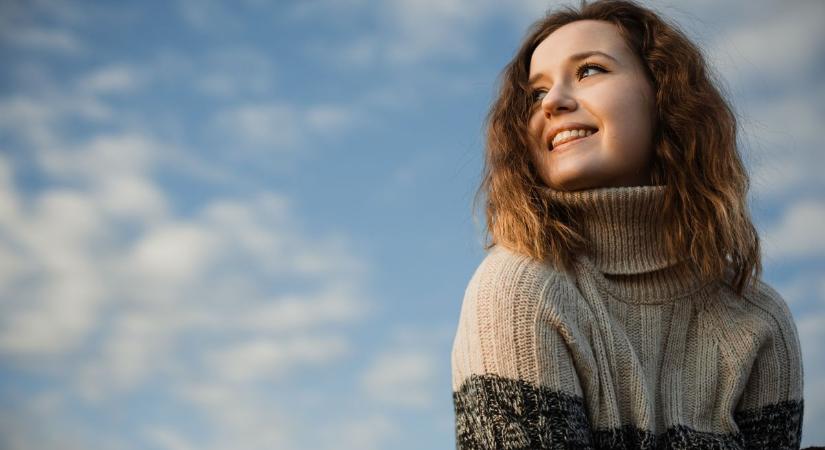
column 620, row 304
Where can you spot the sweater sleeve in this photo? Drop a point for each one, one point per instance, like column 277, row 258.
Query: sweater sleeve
column 769, row 412
column 514, row 382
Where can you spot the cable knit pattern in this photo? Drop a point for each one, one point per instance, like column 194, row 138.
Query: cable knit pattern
column 630, row 350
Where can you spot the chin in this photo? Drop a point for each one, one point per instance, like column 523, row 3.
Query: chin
column 570, row 185
column 569, row 180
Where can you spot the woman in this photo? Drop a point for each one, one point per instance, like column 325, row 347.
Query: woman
column 620, row 304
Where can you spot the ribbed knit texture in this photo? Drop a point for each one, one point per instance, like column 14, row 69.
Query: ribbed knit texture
column 631, row 350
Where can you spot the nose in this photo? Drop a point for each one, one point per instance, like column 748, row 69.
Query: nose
column 557, row 100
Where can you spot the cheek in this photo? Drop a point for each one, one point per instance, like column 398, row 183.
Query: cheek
column 535, row 133
column 535, row 125
column 625, row 113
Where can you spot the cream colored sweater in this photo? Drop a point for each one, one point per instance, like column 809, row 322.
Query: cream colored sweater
column 629, row 351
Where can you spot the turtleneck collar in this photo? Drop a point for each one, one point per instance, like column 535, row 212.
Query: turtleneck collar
column 623, row 226
column 625, row 233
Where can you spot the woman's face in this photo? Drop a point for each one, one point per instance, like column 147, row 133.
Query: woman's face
column 609, row 96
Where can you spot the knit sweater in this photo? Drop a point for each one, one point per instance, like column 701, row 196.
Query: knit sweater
column 629, row 350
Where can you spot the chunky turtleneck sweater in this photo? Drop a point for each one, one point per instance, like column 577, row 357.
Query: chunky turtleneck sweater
column 628, row 350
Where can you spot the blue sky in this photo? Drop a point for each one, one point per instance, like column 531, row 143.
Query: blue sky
column 248, row 224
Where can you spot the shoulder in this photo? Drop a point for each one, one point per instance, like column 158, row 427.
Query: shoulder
column 504, row 273
column 513, row 291
column 764, row 302
column 506, row 264
column 765, row 314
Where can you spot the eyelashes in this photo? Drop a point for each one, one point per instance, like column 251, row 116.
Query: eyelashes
column 579, row 71
column 584, row 66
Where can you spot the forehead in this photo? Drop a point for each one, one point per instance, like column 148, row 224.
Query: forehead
column 577, row 37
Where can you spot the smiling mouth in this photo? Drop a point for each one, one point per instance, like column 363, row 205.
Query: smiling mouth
column 568, row 143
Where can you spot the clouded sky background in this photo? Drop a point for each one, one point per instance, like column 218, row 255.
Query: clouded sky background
column 248, row 224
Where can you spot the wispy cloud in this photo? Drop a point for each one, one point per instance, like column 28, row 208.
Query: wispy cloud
column 234, row 414
column 60, row 41
column 270, row 359
column 774, row 51
column 273, row 127
column 798, row 233
column 408, row 31
column 114, row 78
column 403, row 378
column 772, row 66
column 368, row 432
column 281, row 127
column 234, row 72
column 31, row 119
column 781, row 143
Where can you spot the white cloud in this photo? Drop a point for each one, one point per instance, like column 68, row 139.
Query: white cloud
column 401, row 378
column 798, row 234
column 371, row 432
column 53, row 294
column 774, row 50
column 63, row 12
column 61, row 41
column 274, row 127
column 31, row 118
column 358, row 52
column 766, row 57
column 781, row 143
column 208, row 15
column 235, row 71
column 45, row 421
column 142, row 342
column 133, row 197
column 338, row 304
column 283, row 127
column 423, row 29
column 175, row 253
column 248, row 226
column 115, row 168
column 331, row 119
column 238, row 72
column 271, row 359
column 168, row 439
column 112, row 78
column 805, row 288
column 311, row 9
column 61, row 314
column 410, row 31
column 238, row 416
column 127, row 153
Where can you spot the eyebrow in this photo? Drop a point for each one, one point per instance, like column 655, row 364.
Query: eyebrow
column 576, row 57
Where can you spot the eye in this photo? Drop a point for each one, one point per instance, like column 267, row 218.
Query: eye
column 584, row 67
column 534, row 95
column 579, row 71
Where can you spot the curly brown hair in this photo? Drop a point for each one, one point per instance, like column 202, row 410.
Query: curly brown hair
column 696, row 156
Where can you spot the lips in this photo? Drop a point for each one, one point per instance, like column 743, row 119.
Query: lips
column 567, row 127
column 567, row 143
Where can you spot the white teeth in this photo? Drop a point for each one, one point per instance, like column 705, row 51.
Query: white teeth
column 569, row 135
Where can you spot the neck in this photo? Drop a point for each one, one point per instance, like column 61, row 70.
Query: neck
column 626, row 241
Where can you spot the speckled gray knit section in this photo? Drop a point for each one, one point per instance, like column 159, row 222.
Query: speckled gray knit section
column 498, row 413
